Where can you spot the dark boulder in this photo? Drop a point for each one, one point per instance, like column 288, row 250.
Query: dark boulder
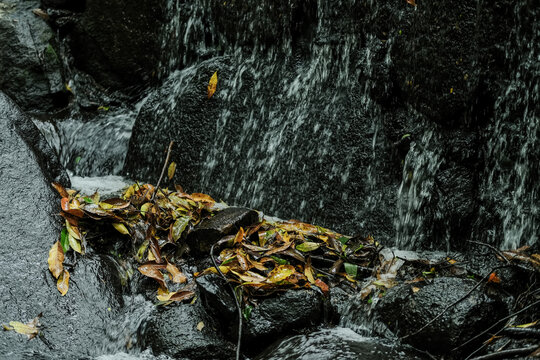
column 172, row 330
column 406, row 312
column 273, row 317
column 117, row 42
column 226, row 222
column 30, row 66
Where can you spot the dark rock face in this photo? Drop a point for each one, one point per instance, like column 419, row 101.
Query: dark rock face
column 406, row 312
column 225, row 222
column 351, row 116
column 117, row 42
column 30, row 65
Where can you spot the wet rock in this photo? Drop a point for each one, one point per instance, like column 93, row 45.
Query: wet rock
column 284, row 313
column 274, row 316
column 25, row 129
column 337, row 343
column 73, row 5
column 117, row 42
column 172, row 330
column 225, row 222
column 406, row 312
column 30, row 66
column 75, row 323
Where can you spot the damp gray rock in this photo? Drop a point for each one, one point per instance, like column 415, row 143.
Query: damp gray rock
column 78, row 322
column 226, row 222
column 30, row 65
column 405, row 312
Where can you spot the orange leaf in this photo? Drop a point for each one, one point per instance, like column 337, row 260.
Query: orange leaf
column 412, row 2
column 65, row 203
column 494, row 278
column 322, row 286
column 239, row 236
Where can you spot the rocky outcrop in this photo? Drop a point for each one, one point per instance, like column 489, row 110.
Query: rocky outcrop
column 30, row 65
column 406, row 312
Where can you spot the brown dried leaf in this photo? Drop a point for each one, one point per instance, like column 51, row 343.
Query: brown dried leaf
column 55, row 260
column 62, row 284
column 152, row 271
column 177, row 275
column 61, row 190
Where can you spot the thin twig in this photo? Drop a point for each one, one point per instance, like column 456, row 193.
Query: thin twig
column 497, row 251
column 163, row 169
column 160, row 176
column 238, row 307
column 505, row 354
column 453, row 304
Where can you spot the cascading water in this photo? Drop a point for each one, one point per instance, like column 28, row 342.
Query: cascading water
column 303, row 139
column 513, row 145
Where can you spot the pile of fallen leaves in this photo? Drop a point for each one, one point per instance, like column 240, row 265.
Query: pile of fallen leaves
column 264, row 257
column 277, row 255
column 152, row 219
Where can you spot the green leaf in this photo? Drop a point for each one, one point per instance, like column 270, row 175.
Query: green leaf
column 343, row 240
column 280, row 261
column 77, row 160
column 179, row 227
column 307, row 246
column 88, row 200
column 405, row 136
column 64, row 240
column 247, row 312
column 358, row 248
column 231, row 259
column 351, row 269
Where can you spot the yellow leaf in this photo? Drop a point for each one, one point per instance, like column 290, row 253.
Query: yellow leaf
column 212, row 85
column 121, row 228
column 145, row 208
column 142, row 249
column 307, row 246
column 280, row 273
column 75, row 244
column 73, row 231
column 200, row 326
column 63, row 283
column 171, row 170
column 524, row 326
column 56, row 258
column 180, row 295
column 29, row 329
column 415, row 289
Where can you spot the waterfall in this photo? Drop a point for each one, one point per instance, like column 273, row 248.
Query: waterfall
column 513, row 147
